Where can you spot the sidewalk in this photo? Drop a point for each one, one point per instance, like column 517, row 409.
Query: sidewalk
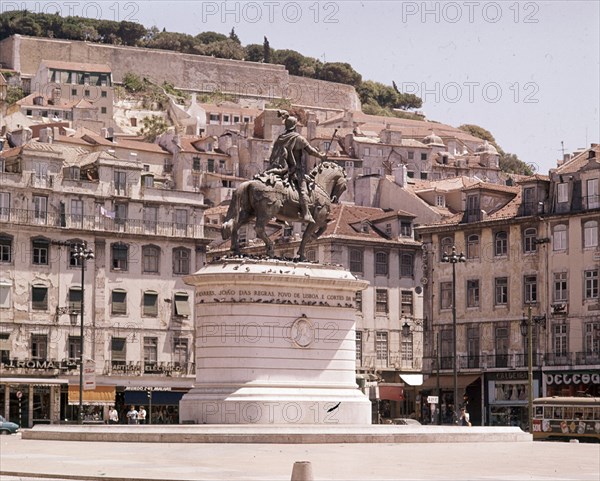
column 536, row 461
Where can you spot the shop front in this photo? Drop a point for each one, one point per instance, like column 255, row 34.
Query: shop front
column 441, row 389
column 29, row 401
column 507, row 398
column 161, row 402
column 95, row 404
column 572, row 383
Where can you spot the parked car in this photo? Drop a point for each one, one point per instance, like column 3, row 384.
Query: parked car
column 6, row 427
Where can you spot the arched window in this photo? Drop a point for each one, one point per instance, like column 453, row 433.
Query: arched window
column 559, row 237
column 590, row 233
column 181, row 261
column 529, row 236
column 381, row 263
column 446, row 246
column 501, row 243
column 473, row 246
column 150, row 259
column 356, row 260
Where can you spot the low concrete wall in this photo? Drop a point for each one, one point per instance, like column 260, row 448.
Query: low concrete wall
column 278, row 434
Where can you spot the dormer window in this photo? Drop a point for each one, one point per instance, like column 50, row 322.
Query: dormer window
column 440, row 201
column 563, row 192
column 405, row 229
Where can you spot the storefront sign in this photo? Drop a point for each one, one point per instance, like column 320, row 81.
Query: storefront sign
column 136, row 368
column 38, row 364
column 89, row 375
column 148, row 388
column 566, row 378
column 508, row 376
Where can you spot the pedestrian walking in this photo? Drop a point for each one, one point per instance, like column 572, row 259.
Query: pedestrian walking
column 113, row 416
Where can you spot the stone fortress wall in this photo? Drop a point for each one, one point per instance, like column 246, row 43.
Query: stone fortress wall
column 185, row 71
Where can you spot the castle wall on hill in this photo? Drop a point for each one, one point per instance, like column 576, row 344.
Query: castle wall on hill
column 184, row 71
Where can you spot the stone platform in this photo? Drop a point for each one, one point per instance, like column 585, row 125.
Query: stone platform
column 278, row 434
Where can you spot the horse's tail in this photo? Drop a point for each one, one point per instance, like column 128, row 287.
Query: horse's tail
column 233, row 212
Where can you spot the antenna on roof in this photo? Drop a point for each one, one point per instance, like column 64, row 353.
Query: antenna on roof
column 562, row 147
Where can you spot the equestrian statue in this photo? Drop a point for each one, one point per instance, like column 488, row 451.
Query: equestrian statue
column 285, row 192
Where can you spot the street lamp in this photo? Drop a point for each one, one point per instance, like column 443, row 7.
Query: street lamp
column 81, row 253
column 454, row 258
column 527, row 331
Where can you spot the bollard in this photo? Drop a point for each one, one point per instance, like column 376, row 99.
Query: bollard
column 302, row 471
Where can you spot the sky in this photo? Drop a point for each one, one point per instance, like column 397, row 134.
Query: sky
column 528, row 71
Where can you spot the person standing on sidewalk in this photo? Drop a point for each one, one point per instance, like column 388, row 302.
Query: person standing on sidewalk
column 132, row 416
column 113, row 416
column 142, row 415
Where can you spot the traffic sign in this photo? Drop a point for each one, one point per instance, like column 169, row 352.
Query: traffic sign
column 19, row 394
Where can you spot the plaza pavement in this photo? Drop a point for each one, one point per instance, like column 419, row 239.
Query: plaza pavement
column 25, row 459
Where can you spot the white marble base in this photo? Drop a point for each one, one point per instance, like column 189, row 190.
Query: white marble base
column 275, row 344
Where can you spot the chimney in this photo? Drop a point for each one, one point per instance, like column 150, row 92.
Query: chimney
column 104, row 132
column 55, row 96
column 43, row 138
column 400, row 175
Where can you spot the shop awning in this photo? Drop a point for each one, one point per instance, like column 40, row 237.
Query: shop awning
column 101, row 396
column 170, row 398
column 412, row 379
column 36, row 381
column 447, row 382
column 391, row 392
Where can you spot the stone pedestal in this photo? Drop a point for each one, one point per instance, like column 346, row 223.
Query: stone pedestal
column 275, row 344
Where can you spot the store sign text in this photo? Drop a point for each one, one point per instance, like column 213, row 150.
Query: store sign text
column 46, row 365
column 570, row 378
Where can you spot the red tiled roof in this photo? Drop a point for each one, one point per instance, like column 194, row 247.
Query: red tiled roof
column 579, row 161
column 77, row 66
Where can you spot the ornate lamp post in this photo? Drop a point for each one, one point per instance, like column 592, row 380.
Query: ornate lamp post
column 527, row 332
column 454, row 258
column 82, row 253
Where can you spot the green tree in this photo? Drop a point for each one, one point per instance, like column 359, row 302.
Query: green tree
column 233, row 36
column 222, row 49
column 152, row 127
column 253, row 52
column 210, row 37
column 408, row 101
column 133, row 83
column 177, row 42
column 13, row 94
column 340, row 72
column 481, row 133
column 131, row 33
column 296, row 63
column 511, row 164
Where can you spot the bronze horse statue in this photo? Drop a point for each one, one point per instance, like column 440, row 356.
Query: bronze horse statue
column 268, row 196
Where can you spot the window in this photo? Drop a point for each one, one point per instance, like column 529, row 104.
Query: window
column 75, row 172
column 150, row 304
column 358, row 300
column 592, row 338
column 530, row 289
column 148, row 180
column 40, row 209
column 423, row 156
column 40, row 249
column 446, row 295
column 120, row 214
column 366, row 151
column 5, row 291
column 39, row 298
column 150, row 259
column 381, row 301
column 74, row 347
column 180, row 351
column 405, row 229
column 311, row 255
column 356, row 261
column 210, row 165
column 406, row 264
column 406, row 307
column 196, row 166
column 102, row 110
column 590, row 233
column 6, row 248
column 118, row 351
column 4, row 205
column 411, row 155
column 560, row 342
column 120, row 179
column 473, row 246
column 74, row 259
column 559, row 237
column 529, row 237
column 446, row 246
column 359, row 347
column 103, row 94
column 381, row 346
column 119, row 302
column 473, row 211
column 75, row 297
column 181, row 220
column 473, row 293
column 440, row 201
column 150, row 217
column 591, row 284
column 406, row 348
column 182, row 307
column 181, row 261
column 39, row 346
column 73, row 92
column 120, row 254
column 473, row 347
column 563, row 193
column 501, row 291
column 501, row 243
column 381, row 264
column 561, row 291
column 150, row 353
column 76, row 212
column 502, row 341
column 593, row 198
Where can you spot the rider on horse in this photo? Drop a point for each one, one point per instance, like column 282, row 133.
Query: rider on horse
column 286, row 160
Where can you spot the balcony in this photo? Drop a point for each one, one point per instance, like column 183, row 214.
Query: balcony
column 41, row 182
column 552, row 359
column 591, row 202
column 587, row 358
column 98, row 223
column 138, row 368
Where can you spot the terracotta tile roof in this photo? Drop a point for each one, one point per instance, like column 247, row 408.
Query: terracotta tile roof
column 77, row 66
column 531, row 178
column 7, row 153
column 394, row 213
column 495, row 187
column 444, row 185
column 140, row 145
column 230, row 109
column 63, row 102
column 579, row 161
